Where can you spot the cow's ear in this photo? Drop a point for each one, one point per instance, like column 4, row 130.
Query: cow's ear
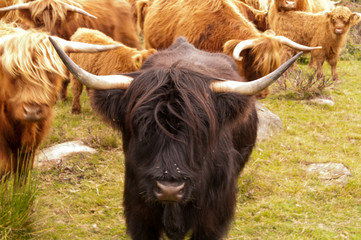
column 137, row 61
column 327, row 14
column 139, row 58
column 232, row 107
column 355, row 18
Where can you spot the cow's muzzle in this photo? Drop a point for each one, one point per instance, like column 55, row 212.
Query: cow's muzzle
column 32, row 113
column 339, row 31
column 169, row 191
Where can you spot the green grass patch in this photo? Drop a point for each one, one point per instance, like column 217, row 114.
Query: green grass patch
column 17, row 196
column 81, row 197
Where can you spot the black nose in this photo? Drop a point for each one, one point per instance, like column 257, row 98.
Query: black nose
column 169, row 191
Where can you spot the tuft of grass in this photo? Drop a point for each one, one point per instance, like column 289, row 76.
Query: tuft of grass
column 17, row 196
column 302, row 83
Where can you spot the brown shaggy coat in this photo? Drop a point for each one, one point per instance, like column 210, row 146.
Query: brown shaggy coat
column 120, row 60
column 114, row 18
column 215, row 26
column 30, row 78
column 257, row 4
column 280, row 6
column 328, row 29
column 8, row 17
column 257, row 17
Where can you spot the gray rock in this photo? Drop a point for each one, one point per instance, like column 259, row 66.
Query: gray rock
column 269, row 123
column 54, row 154
column 322, row 101
column 330, row 173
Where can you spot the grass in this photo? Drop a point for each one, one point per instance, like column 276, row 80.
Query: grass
column 17, row 196
column 286, row 202
column 81, row 197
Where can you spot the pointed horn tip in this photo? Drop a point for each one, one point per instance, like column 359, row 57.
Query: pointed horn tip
column 295, row 57
column 253, row 87
column 51, row 39
column 56, row 45
column 238, row 58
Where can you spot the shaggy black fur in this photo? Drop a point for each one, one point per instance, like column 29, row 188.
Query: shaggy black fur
column 176, row 129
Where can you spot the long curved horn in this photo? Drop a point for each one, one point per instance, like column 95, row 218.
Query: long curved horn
column 284, row 40
column 91, row 80
column 253, row 87
column 288, row 42
column 78, row 10
column 20, row 6
column 80, row 47
column 242, row 46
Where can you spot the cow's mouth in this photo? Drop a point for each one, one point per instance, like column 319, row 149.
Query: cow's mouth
column 338, row 31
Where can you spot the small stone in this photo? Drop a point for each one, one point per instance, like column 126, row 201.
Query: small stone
column 330, row 173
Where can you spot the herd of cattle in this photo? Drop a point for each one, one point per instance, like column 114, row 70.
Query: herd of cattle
column 184, row 104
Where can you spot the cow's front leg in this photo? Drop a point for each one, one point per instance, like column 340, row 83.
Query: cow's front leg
column 141, row 225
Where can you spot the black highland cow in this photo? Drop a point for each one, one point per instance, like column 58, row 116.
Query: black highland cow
column 186, row 138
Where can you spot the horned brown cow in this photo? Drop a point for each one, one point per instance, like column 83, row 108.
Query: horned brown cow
column 120, row 60
column 214, row 26
column 327, row 29
column 63, row 17
column 30, row 78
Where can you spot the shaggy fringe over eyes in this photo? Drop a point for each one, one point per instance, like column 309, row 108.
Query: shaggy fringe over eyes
column 29, row 54
column 177, row 95
column 341, row 13
column 58, row 11
column 266, row 55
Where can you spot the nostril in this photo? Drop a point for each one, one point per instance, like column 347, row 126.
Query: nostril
column 169, row 191
column 40, row 111
column 157, row 190
column 180, row 193
column 26, row 110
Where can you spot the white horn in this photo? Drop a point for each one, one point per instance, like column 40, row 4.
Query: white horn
column 91, row 80
column 242, row 46
column 81, row 47
column 78, row 10
column 288, row 42
column 20, row 6
column 255, row 86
